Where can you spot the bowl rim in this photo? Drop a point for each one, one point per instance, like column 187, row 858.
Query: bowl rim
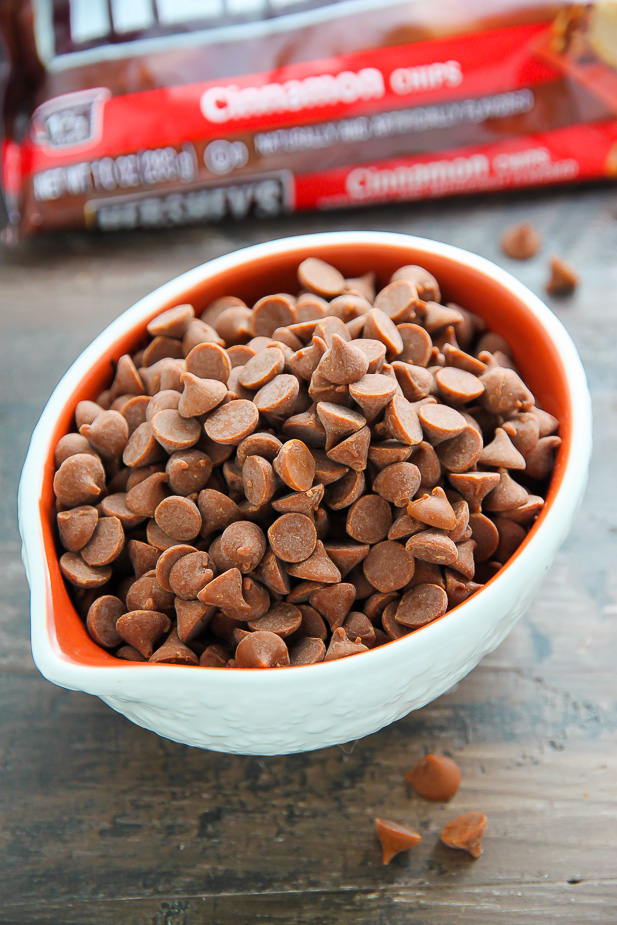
column 111, row 680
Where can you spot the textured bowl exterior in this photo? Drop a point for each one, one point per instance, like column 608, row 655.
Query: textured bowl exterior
column 300, row 709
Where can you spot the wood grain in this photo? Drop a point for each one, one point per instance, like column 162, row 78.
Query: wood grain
column 101, row 821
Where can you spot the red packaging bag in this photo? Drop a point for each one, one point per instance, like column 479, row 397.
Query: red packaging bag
column 130, row 114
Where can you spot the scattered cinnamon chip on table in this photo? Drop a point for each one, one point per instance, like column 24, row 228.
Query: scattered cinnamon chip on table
column 435, row 777
column 465, row 832
column 563, row 279
column 521, row 242
column 395, row 838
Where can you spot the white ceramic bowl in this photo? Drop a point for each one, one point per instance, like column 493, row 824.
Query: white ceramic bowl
column 298, row 709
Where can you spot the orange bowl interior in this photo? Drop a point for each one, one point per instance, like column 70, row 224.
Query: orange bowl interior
column 533, row 350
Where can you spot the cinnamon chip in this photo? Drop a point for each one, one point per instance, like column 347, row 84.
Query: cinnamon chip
column 432, row 546
column 425, row 283
column 401, row 420
column 369, row 519
column 318, row 567
column 142, row 448
column 265, row 445
column 521, row 242
column 485, row 535
column 506, row 495
column 372, row 393
column 85, row 413
column 142, row 628
column 173, row 322
column 415, row 382
column 173, row 431
column 398, row 300
column 501, row 452
column 347, row 555
column 243, row 544
column 262, row 368
column 563, row 279
column 353, row 451
column 292, row 537
column 539, row 462
column 395, row 838
column 358, row 626
column 142, row 556
column 282, row 619
column 144, row 498
column 398, row 483
column 258, row 480
column 82, row 575
column 434, row 510
column 326, row 329
column 338, row 422
column 427, row 461
column 440, row 422
column 388, row 566
column 179, row 518
column 421, row 605
column 188, row 471
column 108, row 434
column 114, row 505
column 105, row 544
column 435, row 777
column 307, row 427
column 527, row 511
column 308, row 651
column 342, row 647
column 217, row 510
column 200, row 395
column 465, row 832
column 458, row 588
column 215, row 656
column 225, row 592
column 209, row 361
column 334, row 603
column 474, row 486
column 387, row 453
column 103, row 615
column 167, row 560
column 504, row 391
column 524, row 431
column 270, row 313
column 231, row 423
column 457, row 385
column 378, row 326
column 174, row 652
column 79, row 480
column 262, row 649
column 145, row 593
column 461, row 452
column 374, row 351
column 436, row 316
column 320, row 277
column 461, row 360
column 343, row 363
column 417, row 344
column 278, row 396
column 189, row 575
column 295, row 465
column 77, row 526
column 391, row 627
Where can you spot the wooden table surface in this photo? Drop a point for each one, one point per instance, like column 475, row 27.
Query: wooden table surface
column 103, row 822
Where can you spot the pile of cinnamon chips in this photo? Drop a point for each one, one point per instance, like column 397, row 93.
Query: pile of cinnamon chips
column 299, row 480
